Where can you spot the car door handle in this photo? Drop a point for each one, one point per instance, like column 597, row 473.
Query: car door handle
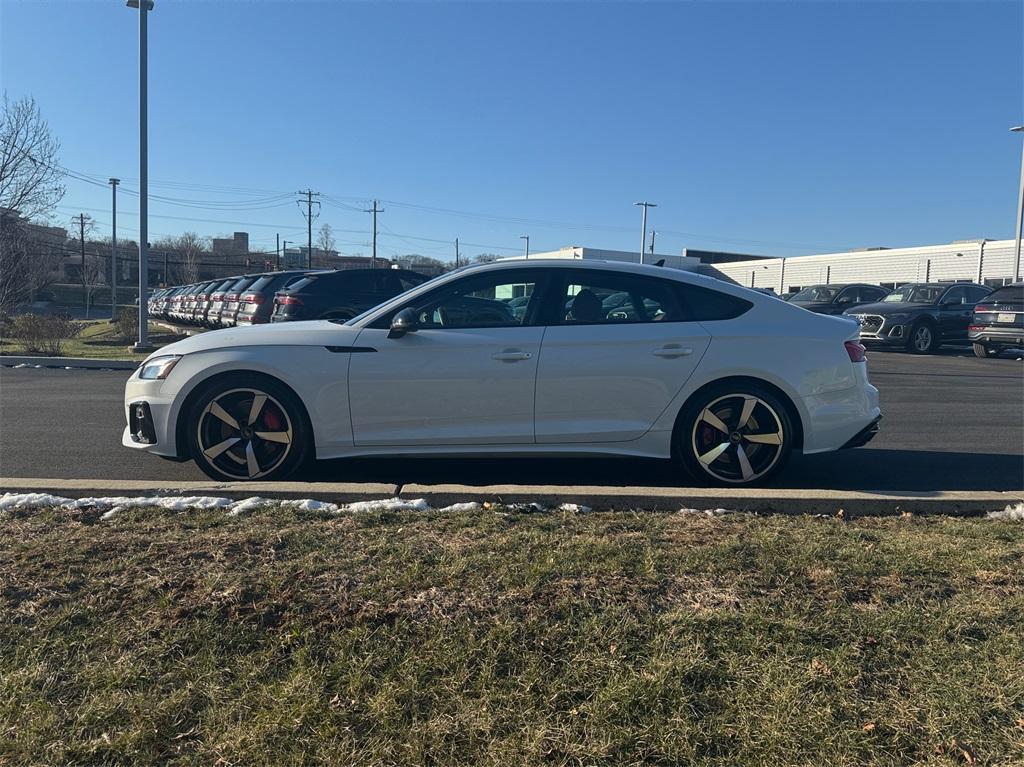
column 672, row 351
column 511, row 355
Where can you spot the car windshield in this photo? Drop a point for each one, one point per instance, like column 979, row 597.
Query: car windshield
column 915, row 294
column 816, row 293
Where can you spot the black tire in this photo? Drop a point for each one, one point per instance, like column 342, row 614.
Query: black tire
column 923, row 338
column 980, row 350
column 699, row 435
column 229, row 444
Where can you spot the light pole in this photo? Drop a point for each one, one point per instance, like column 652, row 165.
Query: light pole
column 643, row 227
column 142, row 345
column 284, row 253
column 527, row 238
column 1020, row 211
column 113, row 247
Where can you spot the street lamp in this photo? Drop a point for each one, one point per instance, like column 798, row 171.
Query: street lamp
column 643, row 227
column 527, row 238
column 113, row 248
column 1020, row 211
column 143, row 345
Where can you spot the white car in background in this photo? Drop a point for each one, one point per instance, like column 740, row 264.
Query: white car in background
column 723, row 380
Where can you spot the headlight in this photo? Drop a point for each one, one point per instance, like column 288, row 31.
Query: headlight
column 158, row 367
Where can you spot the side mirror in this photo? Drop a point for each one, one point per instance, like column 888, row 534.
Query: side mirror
column 403, row 322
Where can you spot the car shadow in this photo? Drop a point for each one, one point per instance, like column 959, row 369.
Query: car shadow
column 868, row 470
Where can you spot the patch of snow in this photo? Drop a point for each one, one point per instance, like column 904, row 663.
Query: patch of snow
column 706, row 512
column 30, row 500
column 575, row 507
column 387, row 504
column 460, row 508
column 1014, row 513
column 23, row 365
column 308, row 504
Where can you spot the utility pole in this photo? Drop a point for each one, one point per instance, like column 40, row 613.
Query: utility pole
column 652, row 244
column 643, row 227
column 310, row 194
column 374, row 210
column 278, row 251
column 456, row 252
column 113, row 248
column 527, row 238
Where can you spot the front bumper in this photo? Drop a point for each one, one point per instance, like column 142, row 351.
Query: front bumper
column 147, row 408
column 877, row 330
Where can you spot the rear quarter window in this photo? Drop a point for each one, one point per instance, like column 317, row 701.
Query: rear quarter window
column 704, row 304
column 301, row 284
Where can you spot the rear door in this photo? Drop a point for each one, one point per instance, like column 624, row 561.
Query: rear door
column 954, row 314
column 608, row 369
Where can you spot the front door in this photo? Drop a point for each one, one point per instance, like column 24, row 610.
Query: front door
column 465, row 376
column 616, row 354
column 954, row 314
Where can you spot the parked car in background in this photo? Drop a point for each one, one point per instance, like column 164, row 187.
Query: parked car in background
column 836, row 299
column 217, row 301
column 229, row 304
column 201, row 303
column 920, row 316
column 721, row 380
column 341, row 295
column 998, row 321
column 257, row 301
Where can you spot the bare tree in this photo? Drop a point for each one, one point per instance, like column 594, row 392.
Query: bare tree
column 93, row 276
column 325, row 243
column 30, row 176
column 30, row 260
column 191, row 248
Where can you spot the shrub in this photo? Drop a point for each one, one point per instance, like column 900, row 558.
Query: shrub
column 38, row 333
column 128, row 324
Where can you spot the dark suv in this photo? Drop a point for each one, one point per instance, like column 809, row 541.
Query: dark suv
column 835, row 299
column 998, row 321
column 921, row 316
column 341, row 295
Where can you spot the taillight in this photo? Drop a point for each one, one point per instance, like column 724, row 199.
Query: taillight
column 253, row 298
column 975, row 327
column 289, row 301
column 984, row 308
column 856, row 351
column 231, row 297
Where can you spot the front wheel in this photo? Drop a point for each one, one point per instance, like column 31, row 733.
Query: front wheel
column 248, row 428
column 734, row 435
column 922, row 338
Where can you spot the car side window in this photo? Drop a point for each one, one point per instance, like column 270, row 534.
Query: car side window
column 489, row 300
column 848, row 296
column 706, row 305
column 974, row 295
column 873, row 294
column 591, row 298
column 953, row 296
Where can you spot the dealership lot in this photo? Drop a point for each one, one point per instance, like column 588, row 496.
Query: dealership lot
column 952, row 422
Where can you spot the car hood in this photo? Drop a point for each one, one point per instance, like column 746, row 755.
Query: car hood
column 312, row 333
column 884, row 308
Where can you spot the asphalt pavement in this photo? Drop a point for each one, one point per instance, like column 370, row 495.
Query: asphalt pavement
column 952, row 422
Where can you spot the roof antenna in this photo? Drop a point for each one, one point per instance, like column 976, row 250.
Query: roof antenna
column 660, row 262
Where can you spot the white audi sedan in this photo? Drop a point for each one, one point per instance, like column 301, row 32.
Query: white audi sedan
column 518, row 358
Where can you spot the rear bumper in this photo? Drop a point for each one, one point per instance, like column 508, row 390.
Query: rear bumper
column 996, row 336
column 864, row 436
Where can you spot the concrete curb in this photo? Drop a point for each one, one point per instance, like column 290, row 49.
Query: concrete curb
column 598, row 498
column 69, row 362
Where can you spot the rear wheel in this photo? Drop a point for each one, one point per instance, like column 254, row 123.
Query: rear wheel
column 737, row 434
column 923, row 339
column 248, row 428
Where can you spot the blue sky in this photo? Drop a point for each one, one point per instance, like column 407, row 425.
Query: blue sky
column 769, row 127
